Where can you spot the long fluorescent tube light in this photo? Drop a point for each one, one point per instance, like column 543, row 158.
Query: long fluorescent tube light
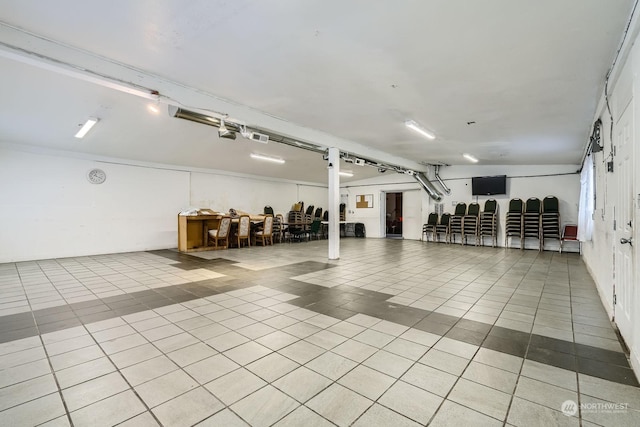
column 267, row 158
column 86, row 127
column 470, row 158
column 346, row 173
column 416, row 127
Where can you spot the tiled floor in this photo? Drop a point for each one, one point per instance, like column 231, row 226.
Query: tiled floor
column 395, row 333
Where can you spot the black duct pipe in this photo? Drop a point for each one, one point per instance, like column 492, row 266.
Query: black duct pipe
column 428, row 186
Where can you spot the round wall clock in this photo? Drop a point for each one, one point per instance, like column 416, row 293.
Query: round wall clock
column 96, row 176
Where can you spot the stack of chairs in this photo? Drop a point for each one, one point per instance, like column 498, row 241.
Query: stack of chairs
column 430, row 227
column 531, row 220
column 308, row 215
column 278, row 227
column 296, row 229
column 471, row 223
column 549, row 220
column 442, row 227
column 489, row 222
column 513, row 224
column 455, row 222
column 325, row 227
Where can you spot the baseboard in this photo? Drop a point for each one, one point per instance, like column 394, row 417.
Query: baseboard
column 604, row 301
column 634, row 357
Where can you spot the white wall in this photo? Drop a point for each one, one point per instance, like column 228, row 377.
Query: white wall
column 527, row 181
column 251, row 194
column 49, row 209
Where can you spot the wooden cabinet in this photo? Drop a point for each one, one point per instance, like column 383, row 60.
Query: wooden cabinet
column 193, row 232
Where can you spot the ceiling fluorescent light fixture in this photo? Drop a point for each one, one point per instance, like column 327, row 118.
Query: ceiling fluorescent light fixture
column 416, row 127
column 86, row 127
column 348, row 174
column 470, row 158
column 267, row 158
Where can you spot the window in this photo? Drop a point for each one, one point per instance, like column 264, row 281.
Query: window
column 585, row 211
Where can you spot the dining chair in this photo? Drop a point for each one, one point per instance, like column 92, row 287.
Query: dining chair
column 244, row 230
column 221, row 234
column 266, row 234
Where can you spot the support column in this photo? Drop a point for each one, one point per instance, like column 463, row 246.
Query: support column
column 334, row 203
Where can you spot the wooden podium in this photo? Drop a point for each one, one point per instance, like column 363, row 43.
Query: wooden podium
column 193, row 231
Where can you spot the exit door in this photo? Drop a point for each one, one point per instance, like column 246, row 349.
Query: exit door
column 623, row 245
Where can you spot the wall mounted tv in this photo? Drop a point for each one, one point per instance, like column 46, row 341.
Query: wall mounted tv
column 488, row 185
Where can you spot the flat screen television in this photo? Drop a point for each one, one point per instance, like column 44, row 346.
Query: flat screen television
column 488, row 185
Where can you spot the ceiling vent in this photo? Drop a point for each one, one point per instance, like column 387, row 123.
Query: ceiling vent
column 259, row 137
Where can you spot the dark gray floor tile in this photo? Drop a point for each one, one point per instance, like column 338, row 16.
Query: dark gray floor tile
column 607, row 371
column 465, row 335
column 503, row 345
column 552, row 344
column 602, row 355
column 428, row 325
column 553, row 358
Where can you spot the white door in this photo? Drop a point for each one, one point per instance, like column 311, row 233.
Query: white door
column 412, row 214
column 624, row 251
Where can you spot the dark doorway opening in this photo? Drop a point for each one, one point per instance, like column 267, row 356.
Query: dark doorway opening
column 394, row 215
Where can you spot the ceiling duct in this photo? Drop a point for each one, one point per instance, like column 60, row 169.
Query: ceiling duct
column 446, row 189
column 205, row 119
column 427, row 185
column 262, row 135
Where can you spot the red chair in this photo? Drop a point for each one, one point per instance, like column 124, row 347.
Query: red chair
column 570, row 233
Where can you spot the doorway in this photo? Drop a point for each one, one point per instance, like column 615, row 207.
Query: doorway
column 393, row 215
column 624, row 217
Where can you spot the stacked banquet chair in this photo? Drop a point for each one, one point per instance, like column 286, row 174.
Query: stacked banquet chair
column 317, row 214
column 278, row 228
column 489, row 222
column 471, row 223
column 531, row 220
column 296, row 229
column 343, row 217
column 549, row 220
column 430, row 227
column 298, row 207
column 443, row 227
column 325, row 227
column 513, row 223
column 308, row 215
column 455, row 222
column 309, row 211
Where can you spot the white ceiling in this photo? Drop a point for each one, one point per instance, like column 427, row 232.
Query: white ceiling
column 336, row 73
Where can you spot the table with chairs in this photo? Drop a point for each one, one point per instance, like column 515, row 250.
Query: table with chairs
column 206, row 229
